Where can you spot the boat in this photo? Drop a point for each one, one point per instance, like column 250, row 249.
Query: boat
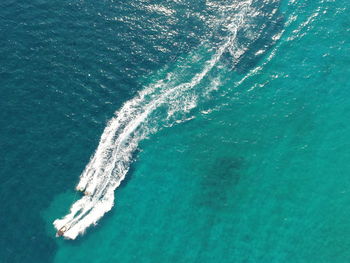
column 61, row 231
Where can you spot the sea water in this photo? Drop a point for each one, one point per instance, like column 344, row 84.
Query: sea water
column 228, row 120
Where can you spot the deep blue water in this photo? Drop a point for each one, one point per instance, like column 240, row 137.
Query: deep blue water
column 242, row 156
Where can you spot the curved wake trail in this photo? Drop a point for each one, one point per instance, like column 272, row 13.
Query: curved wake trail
column 133, row 122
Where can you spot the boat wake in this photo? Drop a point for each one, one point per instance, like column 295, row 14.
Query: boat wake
column 160, row 103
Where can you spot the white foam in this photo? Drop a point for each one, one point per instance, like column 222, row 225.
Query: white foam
column 132, row 123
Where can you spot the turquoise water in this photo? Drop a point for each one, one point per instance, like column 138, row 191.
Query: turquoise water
column 249, row 165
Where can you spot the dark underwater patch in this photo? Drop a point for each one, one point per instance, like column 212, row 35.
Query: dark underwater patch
column 220, row 177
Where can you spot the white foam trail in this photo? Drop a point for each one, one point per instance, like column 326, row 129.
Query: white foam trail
column 111, row 161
